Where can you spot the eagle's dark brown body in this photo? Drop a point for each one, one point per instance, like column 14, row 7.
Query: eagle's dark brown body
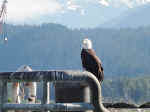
column 92, row 63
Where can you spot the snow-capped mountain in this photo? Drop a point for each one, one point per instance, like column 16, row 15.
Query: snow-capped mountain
column 73, row 13
column 136, row 17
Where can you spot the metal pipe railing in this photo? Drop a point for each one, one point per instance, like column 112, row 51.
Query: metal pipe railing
column 51, row 107
column 56, row 77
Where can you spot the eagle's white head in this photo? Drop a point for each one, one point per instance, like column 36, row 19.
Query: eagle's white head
column 86, row 44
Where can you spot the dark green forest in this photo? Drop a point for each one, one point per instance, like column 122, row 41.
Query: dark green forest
column 124, row 89
column 124, row 53
column 52, row 46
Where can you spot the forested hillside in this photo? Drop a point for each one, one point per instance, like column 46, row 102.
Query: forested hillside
column 53, row 46
column 124, row 89
column 124, row 52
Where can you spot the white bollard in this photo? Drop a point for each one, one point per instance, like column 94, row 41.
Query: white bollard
column 15, row 93
column 31, row 86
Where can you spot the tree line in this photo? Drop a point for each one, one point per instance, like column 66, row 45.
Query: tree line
column 125, row 89
column 124, row 52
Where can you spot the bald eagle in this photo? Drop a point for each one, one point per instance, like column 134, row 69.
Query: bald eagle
column 90, row 61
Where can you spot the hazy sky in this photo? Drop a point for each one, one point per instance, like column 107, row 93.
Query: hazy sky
column 32, row 11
